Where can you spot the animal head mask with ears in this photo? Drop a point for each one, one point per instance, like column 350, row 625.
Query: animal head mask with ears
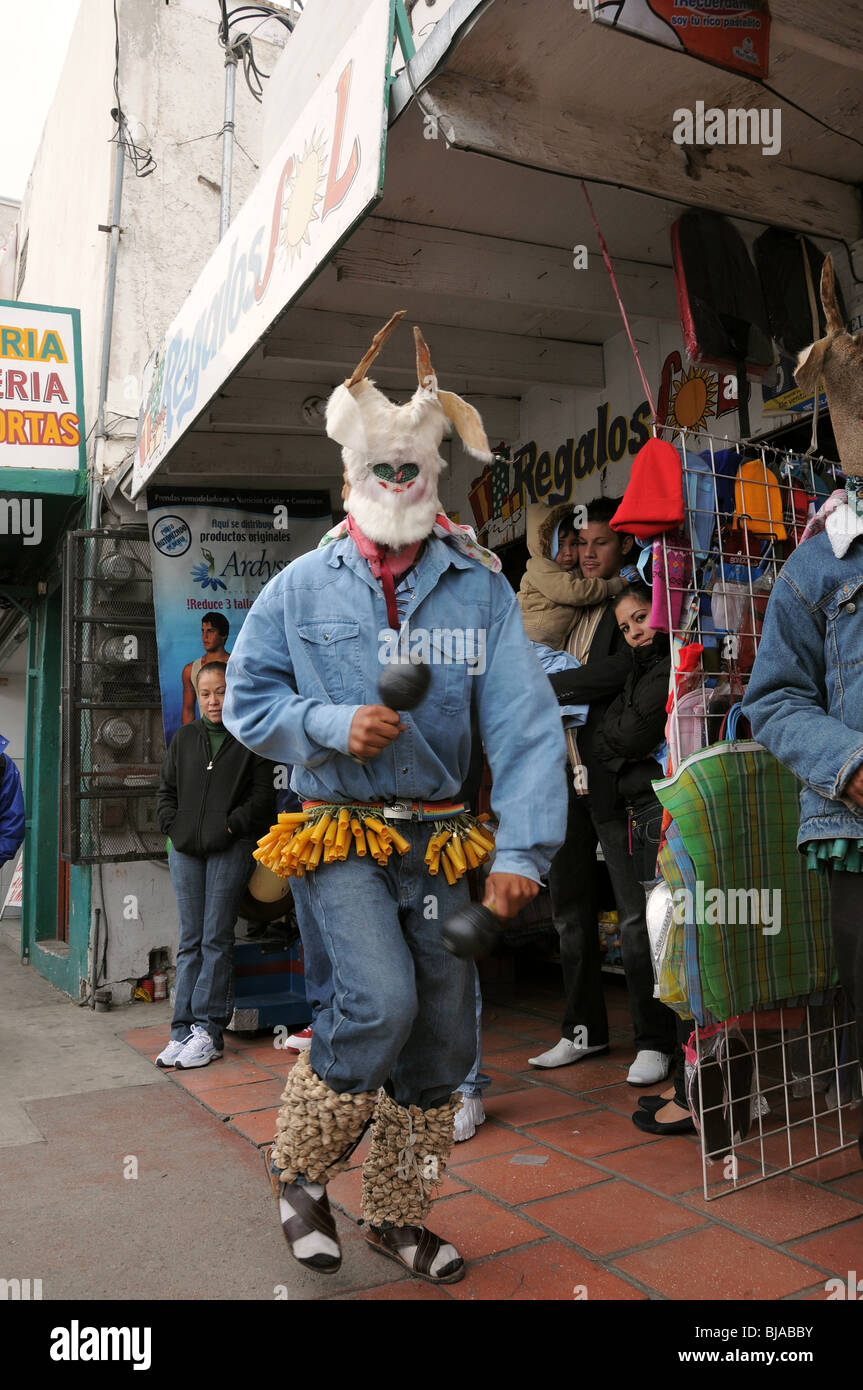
column 838, row 358
column 390, row 452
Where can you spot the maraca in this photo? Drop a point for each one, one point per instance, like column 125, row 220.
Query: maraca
column 403, row 684
column 472, row 931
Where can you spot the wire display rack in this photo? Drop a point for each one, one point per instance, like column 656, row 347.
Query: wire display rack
column 774, row 1090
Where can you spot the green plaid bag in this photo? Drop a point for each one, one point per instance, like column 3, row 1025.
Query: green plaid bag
column 760, row 918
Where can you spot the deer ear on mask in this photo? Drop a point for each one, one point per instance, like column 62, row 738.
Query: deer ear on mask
column 810, row 364
column 468, row 425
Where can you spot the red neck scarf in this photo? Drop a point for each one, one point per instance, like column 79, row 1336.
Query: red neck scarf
column 386, row 565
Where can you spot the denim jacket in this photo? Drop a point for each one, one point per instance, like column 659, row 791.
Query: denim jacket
column 805, row 696
column 310, row 653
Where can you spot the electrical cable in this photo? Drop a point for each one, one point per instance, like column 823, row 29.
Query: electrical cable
column 141, row 160
column 241, row 44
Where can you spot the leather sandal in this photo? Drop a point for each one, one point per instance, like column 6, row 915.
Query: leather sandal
column 392, row 1241
column 309, row 1215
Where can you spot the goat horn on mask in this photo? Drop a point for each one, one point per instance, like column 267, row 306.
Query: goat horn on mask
column 390, row 452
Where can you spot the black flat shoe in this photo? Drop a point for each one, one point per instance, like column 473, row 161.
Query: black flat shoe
column 650, row 1125
column 652, row 1103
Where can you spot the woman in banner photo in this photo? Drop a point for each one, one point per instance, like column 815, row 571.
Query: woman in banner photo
column 215, row 799
column 214, row 634
column 378, row 858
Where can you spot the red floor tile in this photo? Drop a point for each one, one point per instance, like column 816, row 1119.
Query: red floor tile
column 498, row 1040
column 670, row 1165
column 837, row 1165
column 780, row 1209
column 515, row 1181
column 527, row 1106
column 621, row 1097
column 218, row 1074
column 583, row 1077
column 239, row 1100
column 148, row 1040
column 479, row 1227
column 851, row 1186
column 551, row 1271
column 615, row 1216
column 716, row 1264
column 406, row 1291
column 515, row 1059
column 273, row 1058
column 495, row 1017
column 259, row 1126
column 489, row 1139
column 501, row 1081
column 591, row 1134
column 839, row 1250
column 773, row 1149
column 358, row 1156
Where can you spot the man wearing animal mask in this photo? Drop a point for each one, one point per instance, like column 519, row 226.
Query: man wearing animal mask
column 805, row 696
column 379, row 854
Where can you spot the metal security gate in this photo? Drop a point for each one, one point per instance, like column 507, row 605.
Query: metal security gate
column 113, row 742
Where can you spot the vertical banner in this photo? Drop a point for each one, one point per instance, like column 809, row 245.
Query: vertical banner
column 732, row 34
column 212, row 552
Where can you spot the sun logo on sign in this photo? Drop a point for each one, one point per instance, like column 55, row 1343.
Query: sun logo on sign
column 693, row 399
column 301, row 197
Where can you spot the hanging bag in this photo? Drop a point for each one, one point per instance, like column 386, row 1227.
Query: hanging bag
column 736, row 808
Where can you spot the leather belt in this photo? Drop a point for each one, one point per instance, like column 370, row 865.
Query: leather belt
column 414, row 810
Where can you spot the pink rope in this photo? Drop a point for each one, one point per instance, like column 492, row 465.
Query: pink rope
column 609, row 267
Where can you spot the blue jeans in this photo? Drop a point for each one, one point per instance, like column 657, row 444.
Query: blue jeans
column 402, row 1009
column 477, row 1081
column 207, row 892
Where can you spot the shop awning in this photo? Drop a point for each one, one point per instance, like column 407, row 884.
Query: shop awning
column 505, row 108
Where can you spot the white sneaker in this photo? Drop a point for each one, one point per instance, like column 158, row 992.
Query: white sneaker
column 467, row 1119
column 648, row 1068
column 299, row 1042
column 199, row 1051
column 168, row 1056
column 563, row 1053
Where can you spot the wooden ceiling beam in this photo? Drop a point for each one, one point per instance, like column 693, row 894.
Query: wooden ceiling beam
column 530, row 277
column 339, row 341
column 737, row 180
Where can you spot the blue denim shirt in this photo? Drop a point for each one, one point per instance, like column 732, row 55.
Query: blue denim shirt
column 805, row 696
column 309, row 656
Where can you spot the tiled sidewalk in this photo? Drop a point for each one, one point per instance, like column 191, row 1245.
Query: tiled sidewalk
column 558, row 1195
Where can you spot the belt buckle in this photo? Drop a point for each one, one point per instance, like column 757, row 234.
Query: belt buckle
column 398, row 810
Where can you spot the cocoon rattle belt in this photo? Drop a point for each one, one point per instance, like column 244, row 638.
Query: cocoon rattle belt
column 301, row 840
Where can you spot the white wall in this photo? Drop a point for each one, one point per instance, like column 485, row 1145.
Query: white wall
column 172, row 91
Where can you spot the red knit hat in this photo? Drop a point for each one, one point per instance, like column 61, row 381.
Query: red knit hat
column 653, row 500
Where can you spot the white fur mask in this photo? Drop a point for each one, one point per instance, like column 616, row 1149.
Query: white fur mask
column 390, row 452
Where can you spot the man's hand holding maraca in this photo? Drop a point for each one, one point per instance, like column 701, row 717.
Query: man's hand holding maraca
column 507, row 894
column 373, row 728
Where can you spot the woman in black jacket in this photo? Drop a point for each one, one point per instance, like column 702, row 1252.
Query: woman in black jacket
column 215, row 799
column 633, row 727
column 628, row 742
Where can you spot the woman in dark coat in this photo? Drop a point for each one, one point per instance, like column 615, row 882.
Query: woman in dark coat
column 630, row 741
column 631, row 736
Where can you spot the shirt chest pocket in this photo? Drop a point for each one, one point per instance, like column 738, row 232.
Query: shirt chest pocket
column 845, row 626
column 333, row 650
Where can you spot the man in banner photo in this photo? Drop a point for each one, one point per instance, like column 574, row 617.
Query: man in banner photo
column 212, row 552
column 215, row 630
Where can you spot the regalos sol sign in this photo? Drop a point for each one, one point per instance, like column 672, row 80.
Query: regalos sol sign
column 40, row 387
column 325, row 175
